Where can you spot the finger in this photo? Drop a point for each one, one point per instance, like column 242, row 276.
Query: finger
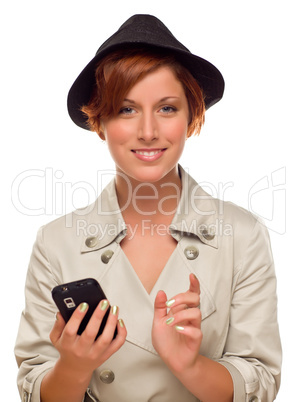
column 110, row 327
column 57, row 330
column 105, row 343
column 116, row 343
column 160, row 306
column 195, row 334
column 178, row 307
column 194, row 284
column 72, row 326
column 183, row 300
column 121, row 326
column 191, row 298
column 92, row 328
column 121, row 336
column 187, row 317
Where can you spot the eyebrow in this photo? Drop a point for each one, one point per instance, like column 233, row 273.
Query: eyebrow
column 161, row 100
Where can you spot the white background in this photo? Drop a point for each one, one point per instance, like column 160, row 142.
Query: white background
column 246, row 147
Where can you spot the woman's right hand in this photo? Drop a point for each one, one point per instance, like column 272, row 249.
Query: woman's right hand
column 82, row 354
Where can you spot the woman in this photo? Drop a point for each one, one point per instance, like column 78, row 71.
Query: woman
column 197, row 302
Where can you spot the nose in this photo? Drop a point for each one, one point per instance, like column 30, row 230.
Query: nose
column 147, row 130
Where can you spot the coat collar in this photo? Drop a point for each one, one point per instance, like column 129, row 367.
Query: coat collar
column 103, row 221
column 197, row 214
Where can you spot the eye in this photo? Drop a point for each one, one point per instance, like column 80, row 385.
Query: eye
column 168, row 109
column 126, row 110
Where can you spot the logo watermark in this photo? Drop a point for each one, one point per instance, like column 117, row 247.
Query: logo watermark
column 148, row 227
column 266, row 197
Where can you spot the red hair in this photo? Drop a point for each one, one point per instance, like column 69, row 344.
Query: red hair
column 120, row 70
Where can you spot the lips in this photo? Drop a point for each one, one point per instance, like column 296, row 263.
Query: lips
column 148, row 155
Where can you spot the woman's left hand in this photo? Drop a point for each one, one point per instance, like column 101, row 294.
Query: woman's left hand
column 176, row 333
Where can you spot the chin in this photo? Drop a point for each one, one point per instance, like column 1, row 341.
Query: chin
column 151, row 174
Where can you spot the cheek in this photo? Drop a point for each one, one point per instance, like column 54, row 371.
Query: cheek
column 117, row 132
column 177, row 130
column 116, row 135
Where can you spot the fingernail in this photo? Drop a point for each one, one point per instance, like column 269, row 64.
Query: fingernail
column 114, row 310
column 121, row 322
column 170, row 303
column 169, row 320
column 104, row 305
column 179, row 328
column 83, row 307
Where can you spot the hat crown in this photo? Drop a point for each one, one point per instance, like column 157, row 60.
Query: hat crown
column 146, row 29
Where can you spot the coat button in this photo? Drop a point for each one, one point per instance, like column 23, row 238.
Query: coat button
column 106, row 256
column 254, row 399
column 107, row 376
column 207, row 234
column 91, row 242
column 191, row 252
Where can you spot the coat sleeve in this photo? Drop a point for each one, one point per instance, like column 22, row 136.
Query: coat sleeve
column 253, row 350
column 34, row 352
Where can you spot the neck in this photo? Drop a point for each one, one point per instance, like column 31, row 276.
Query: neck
column 149, row 198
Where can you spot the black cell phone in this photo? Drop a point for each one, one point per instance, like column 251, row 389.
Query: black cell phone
column 69, row 296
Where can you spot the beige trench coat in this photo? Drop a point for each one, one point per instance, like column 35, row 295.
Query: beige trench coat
column 225, row 246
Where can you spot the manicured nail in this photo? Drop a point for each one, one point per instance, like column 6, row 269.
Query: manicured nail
column 179, row 328
column 121, row 322
column 104, row 305
column 83, row 307
column 169, row 320
column 114, row 310
column 170, row 303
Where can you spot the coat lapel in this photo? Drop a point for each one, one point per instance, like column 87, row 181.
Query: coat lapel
column 123, row 288
column 190, row 226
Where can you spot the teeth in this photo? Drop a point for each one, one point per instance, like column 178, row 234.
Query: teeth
column 146, row 153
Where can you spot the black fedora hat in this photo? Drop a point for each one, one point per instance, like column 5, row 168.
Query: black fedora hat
column 149, row 31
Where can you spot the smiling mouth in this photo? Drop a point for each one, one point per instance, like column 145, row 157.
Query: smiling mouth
column 148, row 153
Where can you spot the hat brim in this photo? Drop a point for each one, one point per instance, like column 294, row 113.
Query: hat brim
column 207, row 75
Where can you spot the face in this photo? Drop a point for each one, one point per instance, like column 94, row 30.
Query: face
column 147, row 137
